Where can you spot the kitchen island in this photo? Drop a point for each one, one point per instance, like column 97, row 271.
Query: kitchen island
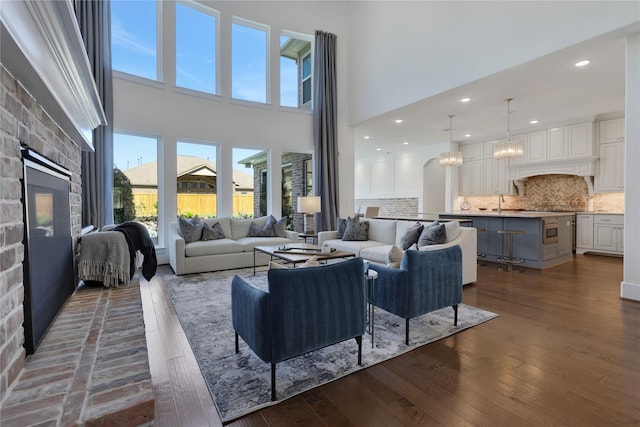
column 547, row 238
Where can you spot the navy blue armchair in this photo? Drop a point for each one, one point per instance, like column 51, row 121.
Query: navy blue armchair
column 426, row 281
column 304, row 309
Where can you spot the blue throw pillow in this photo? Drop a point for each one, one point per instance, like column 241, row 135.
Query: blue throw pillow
column 434, row 234
column 411, row 236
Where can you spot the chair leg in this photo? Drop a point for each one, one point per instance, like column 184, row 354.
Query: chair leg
column 406, row 328
column 237, row 344
column 359, row 341
column 273, row 382
column 455, row 315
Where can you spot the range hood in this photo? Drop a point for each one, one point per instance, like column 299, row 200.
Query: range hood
column 585, row 167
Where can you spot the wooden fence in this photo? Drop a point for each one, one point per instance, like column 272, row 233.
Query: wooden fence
column 201, row 204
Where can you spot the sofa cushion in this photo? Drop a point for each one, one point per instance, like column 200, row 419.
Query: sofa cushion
column 353, row 246
column 225, row 223
column 407, row 236
column 452, row 229
column 356, row 230
column 378, row 254
column 248, row 243
column 240, row 227
column 434, row 234
column 382, row 230
column 213, row 247
column 190, row 229
column 212, row 233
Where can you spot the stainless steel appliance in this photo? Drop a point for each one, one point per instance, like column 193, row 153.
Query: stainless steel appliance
column 550, row 230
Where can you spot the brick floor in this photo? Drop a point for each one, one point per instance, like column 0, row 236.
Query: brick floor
column 91, row 369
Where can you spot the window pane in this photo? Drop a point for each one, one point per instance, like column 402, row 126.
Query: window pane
column 195, row 49
column 197, row 179
column 133, row 38
column 295, row 64
column 249, row 183
column 135, row 181
column 306, row 91
column 248, row 63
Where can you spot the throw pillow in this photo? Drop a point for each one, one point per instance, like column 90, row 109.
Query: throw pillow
column 433, row 234
column 311, row 262
column 214, row 232
column 256, row 231
column 342, row 225
column 273, row 264
column 356, row 230
column 279, row 227
column 190, row 229
column 394, row 257
column 452, row 229
column 411, row 236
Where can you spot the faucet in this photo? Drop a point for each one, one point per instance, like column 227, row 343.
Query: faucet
column 500, row 202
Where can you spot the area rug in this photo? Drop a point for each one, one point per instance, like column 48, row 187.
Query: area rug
column 240, row 383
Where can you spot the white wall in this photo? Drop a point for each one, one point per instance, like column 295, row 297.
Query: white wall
column 159, row 109
column 403, row 52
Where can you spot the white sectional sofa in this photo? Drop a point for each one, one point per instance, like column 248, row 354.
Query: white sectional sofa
column 235, row 250
column 384, row 233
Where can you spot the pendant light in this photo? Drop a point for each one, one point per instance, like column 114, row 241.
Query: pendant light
column 508, row 148
column 451, row 158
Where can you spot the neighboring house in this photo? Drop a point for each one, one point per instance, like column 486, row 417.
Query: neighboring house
column 196, row 178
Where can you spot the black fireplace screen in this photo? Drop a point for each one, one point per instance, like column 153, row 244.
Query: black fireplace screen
column 48, row 260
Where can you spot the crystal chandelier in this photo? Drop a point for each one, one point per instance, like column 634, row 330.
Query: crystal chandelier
column 451, row 158
column 508, row 148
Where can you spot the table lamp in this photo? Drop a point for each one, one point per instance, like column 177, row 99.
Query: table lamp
column 308, row 205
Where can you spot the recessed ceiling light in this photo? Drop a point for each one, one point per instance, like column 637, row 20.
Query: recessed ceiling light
column 533, row 122
column 378, row 149
column 467, row 135
column 405, row 143
column 399, row 121
column 582, row 63
column 465, row 99
column 367, row 137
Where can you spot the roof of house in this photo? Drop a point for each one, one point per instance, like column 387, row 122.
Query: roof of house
column 145, row 175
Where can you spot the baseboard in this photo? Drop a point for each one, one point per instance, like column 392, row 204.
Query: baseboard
column 630, row 291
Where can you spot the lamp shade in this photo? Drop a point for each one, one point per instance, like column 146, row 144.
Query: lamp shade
column 309, row 204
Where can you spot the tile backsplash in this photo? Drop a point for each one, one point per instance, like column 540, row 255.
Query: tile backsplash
column 556, row 193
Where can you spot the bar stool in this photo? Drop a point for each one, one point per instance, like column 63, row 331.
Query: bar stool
column 510, row 260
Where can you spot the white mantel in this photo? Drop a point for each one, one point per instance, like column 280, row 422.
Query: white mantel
column 585, row 167
column 46, row 34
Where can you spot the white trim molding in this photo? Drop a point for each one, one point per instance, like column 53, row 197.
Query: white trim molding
column 47, row 34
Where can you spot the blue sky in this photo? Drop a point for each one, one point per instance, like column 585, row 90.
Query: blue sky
column 134, row 46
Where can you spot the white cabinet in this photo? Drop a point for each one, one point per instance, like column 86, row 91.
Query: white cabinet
column 557, row 146
column 581, row 140
column 495, row 177
column 535, row 148
column 610, row 177
column 471, row 178
column 612, row 130
column 602, row 233
column 584, row 231
column 472, row 151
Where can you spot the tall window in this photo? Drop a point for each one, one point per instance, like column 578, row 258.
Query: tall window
column 134, row 45
column 196, row 35
column 135, row 180
column 197, row 180
column 249, row 182
column 249, row 61
column 295, row 70
column 308, row 177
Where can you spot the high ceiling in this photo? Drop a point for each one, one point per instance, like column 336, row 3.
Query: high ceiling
column 550, row 89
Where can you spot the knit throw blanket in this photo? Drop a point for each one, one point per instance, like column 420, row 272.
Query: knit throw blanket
column 104, row 257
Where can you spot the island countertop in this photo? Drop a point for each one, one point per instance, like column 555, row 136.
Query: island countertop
column 506, row 213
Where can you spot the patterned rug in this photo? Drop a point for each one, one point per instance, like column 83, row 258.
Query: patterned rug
column 240, row 383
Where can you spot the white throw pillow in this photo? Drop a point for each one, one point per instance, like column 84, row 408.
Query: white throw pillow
column 452, row 229
column 394, row 257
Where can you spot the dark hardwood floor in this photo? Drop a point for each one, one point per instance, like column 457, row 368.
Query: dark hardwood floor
column 565, row 350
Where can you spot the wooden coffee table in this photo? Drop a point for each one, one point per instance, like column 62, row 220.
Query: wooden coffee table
column 296, row 253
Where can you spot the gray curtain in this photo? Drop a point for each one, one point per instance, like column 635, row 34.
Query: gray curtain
column 325, row 137
column 94, row 20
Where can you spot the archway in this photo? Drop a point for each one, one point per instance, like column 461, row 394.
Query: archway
column 433, row 187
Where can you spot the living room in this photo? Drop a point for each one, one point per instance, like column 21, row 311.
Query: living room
column 159, row 110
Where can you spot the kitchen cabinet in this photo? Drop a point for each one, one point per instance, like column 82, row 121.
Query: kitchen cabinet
column 608, row 233
column 610, row 177
column 557, row 147
column 472, row 152
column 612, row 130
column 584, row 231
column 484, row 176
column 603, row 233
column 581, row 140
column 495, row 177
column 471, row 178
column 535, row 149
